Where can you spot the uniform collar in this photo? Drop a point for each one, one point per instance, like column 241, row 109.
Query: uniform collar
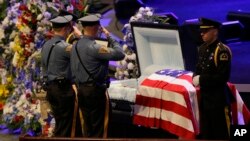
column 89, row 37
column 213, row 45
column 59, row 37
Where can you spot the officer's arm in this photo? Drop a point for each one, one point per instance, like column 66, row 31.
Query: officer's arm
column 114, row 52
column 197, row 72
column 223, row 71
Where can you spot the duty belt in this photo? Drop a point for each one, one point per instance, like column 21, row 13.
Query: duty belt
column 60, row 81
column 91, row 84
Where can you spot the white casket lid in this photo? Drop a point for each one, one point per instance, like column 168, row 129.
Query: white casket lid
column 158, row 47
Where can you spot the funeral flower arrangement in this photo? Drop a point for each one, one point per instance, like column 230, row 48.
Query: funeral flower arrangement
column 22, row 33
column 24, row 28
column 128, row 67
column 21, row 41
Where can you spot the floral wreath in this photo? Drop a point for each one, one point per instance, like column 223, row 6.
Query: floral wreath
column 128, row 67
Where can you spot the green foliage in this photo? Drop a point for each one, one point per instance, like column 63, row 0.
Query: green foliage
column 3, row 10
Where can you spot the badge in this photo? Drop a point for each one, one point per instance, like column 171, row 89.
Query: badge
column 103, row 50
column 68, row 48
column 224, row 57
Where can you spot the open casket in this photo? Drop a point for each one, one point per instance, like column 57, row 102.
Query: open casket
column 158, row 47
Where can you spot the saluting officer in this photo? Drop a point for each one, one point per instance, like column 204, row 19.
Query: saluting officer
column 211, row 74
column 56, row 65
column 89, row 65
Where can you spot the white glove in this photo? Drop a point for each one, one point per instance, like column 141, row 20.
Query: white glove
column 196, row 80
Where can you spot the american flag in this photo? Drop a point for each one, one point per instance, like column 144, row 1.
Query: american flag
column 240, row 112
column 168, row 100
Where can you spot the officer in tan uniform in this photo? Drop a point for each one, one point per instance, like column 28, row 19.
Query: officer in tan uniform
column 89, row 65
column 211, row 75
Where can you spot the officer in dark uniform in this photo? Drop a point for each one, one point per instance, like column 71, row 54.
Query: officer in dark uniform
column 89, row 65
column 211, row 74
column 56, row 65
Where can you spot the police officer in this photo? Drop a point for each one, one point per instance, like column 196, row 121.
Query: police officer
column 56, row 65
column 211, row 74
column 89, row 65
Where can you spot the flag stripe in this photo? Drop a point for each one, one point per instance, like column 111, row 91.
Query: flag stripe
column 168, row 100
column 167, row 93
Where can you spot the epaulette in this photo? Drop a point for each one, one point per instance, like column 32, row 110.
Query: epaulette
column 221, row 47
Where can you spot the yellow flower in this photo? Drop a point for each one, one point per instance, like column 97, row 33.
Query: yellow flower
column 2, row 87
column 6, row 92
column 9, row 79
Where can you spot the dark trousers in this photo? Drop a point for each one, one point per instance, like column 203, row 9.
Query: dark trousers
column 61, row 99
column 213, row 122
column 92, row 102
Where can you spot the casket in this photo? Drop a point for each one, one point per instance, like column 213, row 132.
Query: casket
column 158, row 47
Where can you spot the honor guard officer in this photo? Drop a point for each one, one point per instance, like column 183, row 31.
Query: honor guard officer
column 56, row 66
column 90, row 62
column 211, row 75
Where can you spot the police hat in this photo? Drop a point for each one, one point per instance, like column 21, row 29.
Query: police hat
column 64, row 12
column 208, row 23
column 61, row 21
column 90, row 20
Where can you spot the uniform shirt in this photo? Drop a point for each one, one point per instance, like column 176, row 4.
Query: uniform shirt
column 213, row 67
column 59, row 61
column 95, row 58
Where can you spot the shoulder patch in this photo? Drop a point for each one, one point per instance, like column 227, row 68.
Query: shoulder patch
column 224, row 57
column 68, row 48
column 103, row 50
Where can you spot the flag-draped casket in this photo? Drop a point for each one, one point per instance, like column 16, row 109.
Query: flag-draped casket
column 163, row 95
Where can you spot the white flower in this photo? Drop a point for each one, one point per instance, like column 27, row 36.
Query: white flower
column 12, row 44
column 147, row 9
column 139, row 16
column 70, row 8
column 119, row 63
column 118, row 69
column 40, row 29
column 131, row 66
column 1, row 1
column 126, row 73
column 129, row 57
column 130, row 35
column 5, row 22
column 2, row 35
column 13, row 34
column 124, row 63
column 125, row 37
column 126, row 57
column 47, row 15
column 116, row 75
column 120, row 73
column 50, row 132
column 125, row 47
column 141, row 9
column 25, row 105
column 127, row 25
column 39, row 17
column 132, row 19
column 120, row 77
column 32, row 45
column 18, row 104
column 149, row 13
column 133, row 56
